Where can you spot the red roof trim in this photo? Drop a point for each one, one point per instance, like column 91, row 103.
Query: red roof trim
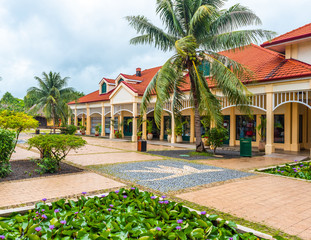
column 285, row 40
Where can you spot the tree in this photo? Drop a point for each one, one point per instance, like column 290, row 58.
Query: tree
column 197, row 30
column 51, row 96
column 11, row 103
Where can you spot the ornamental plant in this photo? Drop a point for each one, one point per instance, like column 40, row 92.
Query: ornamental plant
column 299, row 170
column 216, row 137
column 7, row 144
column 17, row 122
column 123, row 214
column 55, row 147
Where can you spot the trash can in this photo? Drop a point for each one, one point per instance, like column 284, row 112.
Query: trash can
column 37, row 131
column 142, row 146
column 245, row 147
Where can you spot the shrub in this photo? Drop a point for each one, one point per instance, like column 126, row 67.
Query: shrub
column 47, row 165
column 70, row 130
column 18, row 122
column 124, row 214
column 7, row 145
column 55, row 147
column 216, row 137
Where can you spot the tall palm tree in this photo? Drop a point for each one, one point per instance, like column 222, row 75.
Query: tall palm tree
column 50, row 95
column 197, row 30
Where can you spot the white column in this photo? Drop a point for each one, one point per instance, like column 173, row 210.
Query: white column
column 112, row 122
column 76, row 118
column 288, row 127
column 270, row 122
column 173, row 138
column 295, row 146
column 232, row 127
column 134, row 136
column 88, row 120
column 192, row 127
column 103, row 120
column 121, row 123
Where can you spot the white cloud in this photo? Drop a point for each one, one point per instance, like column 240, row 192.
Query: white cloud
column 89, row 39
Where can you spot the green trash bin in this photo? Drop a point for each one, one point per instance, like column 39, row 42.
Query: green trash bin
column 245, row 147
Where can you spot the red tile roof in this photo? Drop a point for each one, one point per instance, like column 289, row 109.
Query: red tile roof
column 109, row 80
column 302, row 32
column 268, row 65
column 93, row 97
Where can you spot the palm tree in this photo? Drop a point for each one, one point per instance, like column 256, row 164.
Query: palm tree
column 197, row 30
column 50, row 96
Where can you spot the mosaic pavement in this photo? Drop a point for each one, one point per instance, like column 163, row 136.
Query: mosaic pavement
column 169, row 175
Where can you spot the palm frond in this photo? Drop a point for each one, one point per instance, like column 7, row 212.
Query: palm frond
column 200, row 17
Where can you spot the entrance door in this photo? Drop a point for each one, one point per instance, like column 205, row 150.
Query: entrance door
column 167, row 125
column 227, row 126
column 94, row 122
column 128, row 126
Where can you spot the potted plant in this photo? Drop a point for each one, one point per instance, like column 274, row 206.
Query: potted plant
column 169, row 134
column 139, row 134
column 149, row 129
column 205, row 121
column 97, row 128
column 118, row 134
column 261, row 128
column 205, row 140
column 82, row 129
column 178, row 131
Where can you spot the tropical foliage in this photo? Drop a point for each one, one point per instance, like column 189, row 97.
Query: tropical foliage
column 216, row 137
column 299, row 170
column 56, row 147
column 7, row 145
column 197, row 30
column 123, row 214
column 9, row 102
column 51, row 96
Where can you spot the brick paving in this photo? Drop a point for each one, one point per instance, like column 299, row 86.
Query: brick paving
column 22, row 154
column 31, row 190
column 109, row 158
column 246, row 163
column 281, row 203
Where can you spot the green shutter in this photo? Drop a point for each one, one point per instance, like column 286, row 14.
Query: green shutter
column 104, row 88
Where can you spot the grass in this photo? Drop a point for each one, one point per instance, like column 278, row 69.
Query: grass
column 205, row 154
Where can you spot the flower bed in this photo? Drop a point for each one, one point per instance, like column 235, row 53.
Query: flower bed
column 298, row 170
column 124, row 214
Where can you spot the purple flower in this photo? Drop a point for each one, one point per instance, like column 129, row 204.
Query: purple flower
column 124, row 196
column 301, row 165
column 163, row 196
column 153, row 197
column 117, row 191
column 158, row 228
column 83, row 193
column 161, row 202
column 109, row 209
column 63, row 222
column 103, row 195
column 133, row 188
column 51, row 227
column 166, row 202
column 38, row 229
column 76, row 213
column 179, row 221
column 110, row 205
column 296, row 160
column 44, row 216
column 43, row 199
column 178, row 227
column 203, row 213
column 56, row 210
column 2, row 237
column 231, row 238
column 294, row 168
column 43, row 210
column 282, row 171
column 279, row 170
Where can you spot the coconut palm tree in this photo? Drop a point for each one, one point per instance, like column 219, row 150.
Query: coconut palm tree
column 50, row 95
column 197, row 30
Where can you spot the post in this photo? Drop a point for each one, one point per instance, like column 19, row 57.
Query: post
column 144, row 135
column 192, row 125
column 112, row 122
column 83, row 120
column 134, row 136
column 76, row 118
column 121, row 125
column 103, row 120
column 295, row 128
column 69, row 118
column 162, row 128
column 88, row 120
column 232, row 127
column 270, row 121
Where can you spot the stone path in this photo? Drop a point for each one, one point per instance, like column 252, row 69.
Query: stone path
column 31, row 190
column 282, row 203
column 22, row 154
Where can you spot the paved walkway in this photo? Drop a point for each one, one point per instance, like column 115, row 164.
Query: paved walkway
column 282, row 203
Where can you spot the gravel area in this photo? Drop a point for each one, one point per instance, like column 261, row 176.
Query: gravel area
column 170, row 175
column 19, row 168
column 220, row 154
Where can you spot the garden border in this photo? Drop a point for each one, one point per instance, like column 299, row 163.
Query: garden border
column 240, row 228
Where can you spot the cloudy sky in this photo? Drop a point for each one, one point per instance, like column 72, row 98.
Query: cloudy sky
column 89, row 39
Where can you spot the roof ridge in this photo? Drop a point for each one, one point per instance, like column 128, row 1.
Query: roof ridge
column 268, row 51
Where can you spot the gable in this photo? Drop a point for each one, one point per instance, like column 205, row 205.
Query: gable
column 122, row 95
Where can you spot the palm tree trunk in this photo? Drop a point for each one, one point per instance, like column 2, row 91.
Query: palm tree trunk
column 54, row 119
column 197, row 121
